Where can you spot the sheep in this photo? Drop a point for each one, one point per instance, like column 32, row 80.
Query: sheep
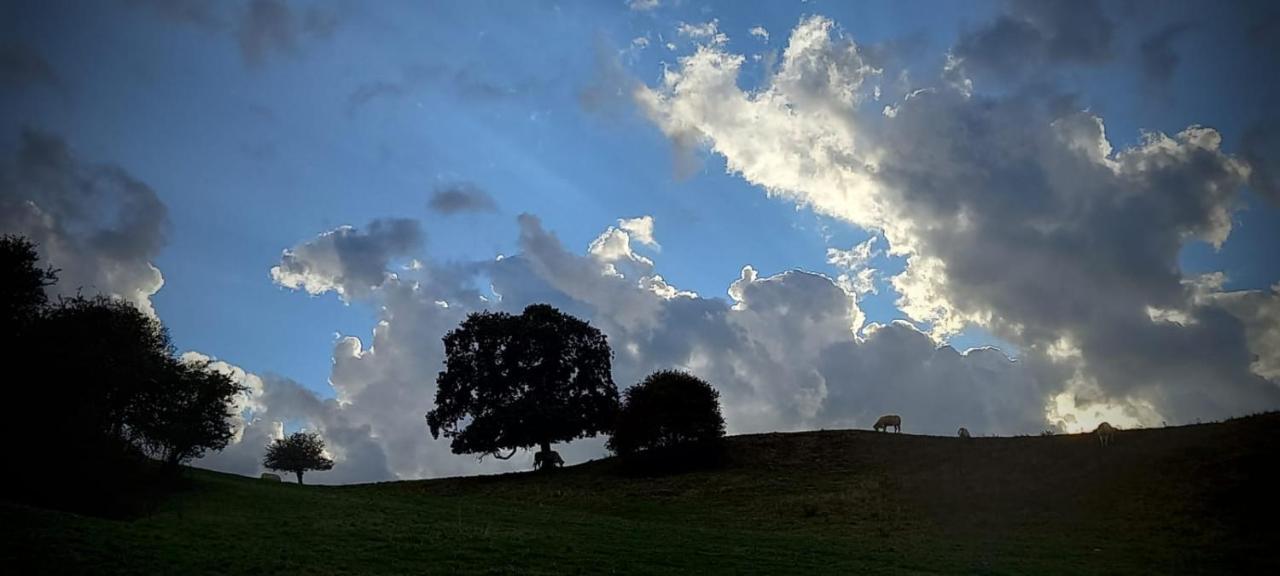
column 1105, row 433
column 270, row 477
column 887, row 421
column 548, row 458
column 963, row 433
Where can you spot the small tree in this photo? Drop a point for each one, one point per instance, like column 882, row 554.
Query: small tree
column 522, row 381
column 298, row 453
column 669, row 408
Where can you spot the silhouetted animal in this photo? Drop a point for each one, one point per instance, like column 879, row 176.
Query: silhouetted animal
column 1106, row 433
column 887, row 421
column 543, row 459
column 963, row 432
column 270, row 477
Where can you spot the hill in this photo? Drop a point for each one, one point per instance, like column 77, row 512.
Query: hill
column 1180, row 500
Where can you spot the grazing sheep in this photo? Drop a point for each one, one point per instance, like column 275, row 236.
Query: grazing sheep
column 270, row 477
column 549, row 458
column 1106, row 433
column 888, row 420
column 963, row 432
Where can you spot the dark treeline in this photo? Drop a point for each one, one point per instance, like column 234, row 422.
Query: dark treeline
column 104, row 411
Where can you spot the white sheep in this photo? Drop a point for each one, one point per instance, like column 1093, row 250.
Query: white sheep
column 1105, row 433
column 888, row 420
column 270, row 477
column 963, row 432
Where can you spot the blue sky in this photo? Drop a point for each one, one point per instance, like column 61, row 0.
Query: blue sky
column 336, row 113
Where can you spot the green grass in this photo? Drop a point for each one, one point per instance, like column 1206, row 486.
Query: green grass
column 1194, row 499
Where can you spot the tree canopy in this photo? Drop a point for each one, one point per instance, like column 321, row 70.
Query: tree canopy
column 514, row 382
column 22, row 294
column 189, row 416
column 298, row 453
column 668, row 408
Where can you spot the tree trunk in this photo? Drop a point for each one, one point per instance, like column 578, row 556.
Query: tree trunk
column 299, row 473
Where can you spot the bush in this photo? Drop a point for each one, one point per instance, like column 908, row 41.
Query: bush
column 671, row 418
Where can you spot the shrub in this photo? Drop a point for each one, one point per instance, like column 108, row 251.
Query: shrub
column 673, row 414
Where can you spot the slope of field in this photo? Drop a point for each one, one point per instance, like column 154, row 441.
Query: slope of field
column 1184, row 500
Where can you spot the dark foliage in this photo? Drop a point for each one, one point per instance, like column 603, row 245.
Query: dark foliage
column 671, row 418
column 22, row 294
column 297, row 453
column 101, row 394
column 522, row 381
column 187, row 417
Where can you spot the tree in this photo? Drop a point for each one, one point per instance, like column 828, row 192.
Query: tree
column 22, row 295
column 297, row 453
column 668, row 408
column 521, row 381
column 188, row 415
column 105, row 390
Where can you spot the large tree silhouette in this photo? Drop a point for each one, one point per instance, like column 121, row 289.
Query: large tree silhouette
column 297, row 453
column 522, row 381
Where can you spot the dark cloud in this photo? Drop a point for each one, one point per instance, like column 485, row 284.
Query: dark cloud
column 97, row 223
column 271, row 26
column 267, row 26
column 465, row 83
column 1159, row 60
column 611, row 85
column 21, row 67
column 199, row 13
column 346, row 260
column 1012, row 212
column 1034, row 34
column 461, row 197
column 1261, row 148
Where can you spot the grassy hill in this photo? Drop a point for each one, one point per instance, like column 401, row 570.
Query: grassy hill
column 1191, row 499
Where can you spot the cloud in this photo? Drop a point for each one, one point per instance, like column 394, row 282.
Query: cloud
column 782, row 350
column 270, row 406
column 1012, row 213
column 760, row 32
column 609, row 90
column 1159, row 61
column 347, row 261
column 461, row 197
column 467, row 83
column 640, row 229
column 1259, row 310
column 23, row 67
column 200, row 13
column 705, row 32
column 269, row 26
column 260, row 29
column 642, row 5
column 856, row 276
column 1037, row 35
column 98, row 224
column 1260, row 146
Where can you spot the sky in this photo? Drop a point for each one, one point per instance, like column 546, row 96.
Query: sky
column 1008, row 216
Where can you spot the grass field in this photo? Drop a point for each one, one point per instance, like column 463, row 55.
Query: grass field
column 1184, row 500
